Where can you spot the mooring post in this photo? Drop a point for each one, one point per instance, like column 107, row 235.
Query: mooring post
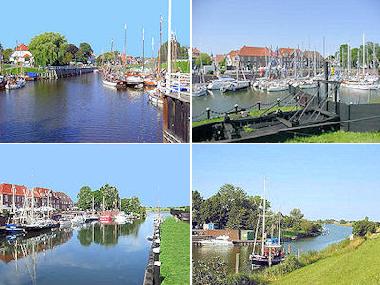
column 237, row 262
column 336, row 98
column 156, row 274
column 156, row 252
column 208, row 113
column 326, row 72
column 259, row 105
column 278, row 102
column 236, row 108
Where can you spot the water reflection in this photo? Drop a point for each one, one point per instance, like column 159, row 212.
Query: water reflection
column 92, row 254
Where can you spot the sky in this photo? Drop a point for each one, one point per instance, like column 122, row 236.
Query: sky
column 220, row 26
column 95, row 22
column 338, row 181
column 155, row 173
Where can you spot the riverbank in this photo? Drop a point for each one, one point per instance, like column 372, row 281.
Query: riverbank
column 339, row 137
column 350, row 262
column 175, row 252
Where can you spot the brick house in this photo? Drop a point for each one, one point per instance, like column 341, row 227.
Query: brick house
column 11, row 193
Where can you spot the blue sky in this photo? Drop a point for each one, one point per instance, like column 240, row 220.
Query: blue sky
column 324, row 181
column 222, row 25
column 151, row 172
column 95, row 22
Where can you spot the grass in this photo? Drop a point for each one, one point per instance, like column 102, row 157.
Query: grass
column 355, row 263
column 252, row 113
column 339, row 137
column 175, row 252
column 17, row 70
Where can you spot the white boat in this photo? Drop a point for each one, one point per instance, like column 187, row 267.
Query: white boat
column 220, row 240
column 199, row 90
column 361, row 85
column 78, row 220
column 219, row 83
column 277, row 87
column 134, row 80
column 155, row 97
column 16, row 85
column 121, row 218
column 109, row 83
column 235, row 85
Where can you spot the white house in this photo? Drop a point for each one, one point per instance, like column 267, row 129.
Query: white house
column 22, row 55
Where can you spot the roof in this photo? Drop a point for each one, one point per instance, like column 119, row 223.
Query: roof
column 254, row 51
column 233, row 53
column 286, row 51
column 22, row 47
column 219, row 57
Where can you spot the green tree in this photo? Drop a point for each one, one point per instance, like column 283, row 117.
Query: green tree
column 84, row 53
column 7, row 54
column 205, row 58
column 85, row 198
column 111, row 196
column 48, row 49
column 107, row 57
column 197, row 205
column 364, row 227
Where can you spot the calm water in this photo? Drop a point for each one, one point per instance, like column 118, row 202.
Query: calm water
column 222, row 102
column 334, row 234
column 93, row 254
column 77, row 109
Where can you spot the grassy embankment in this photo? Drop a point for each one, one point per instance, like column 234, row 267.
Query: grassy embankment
column 339, row 137
column 252, row 113
column 17, row 70
column 350, row 262
column 175, row 252
column 183, row 66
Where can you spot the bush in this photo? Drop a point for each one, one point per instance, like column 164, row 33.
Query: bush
column 364, row 227
column 290, row 264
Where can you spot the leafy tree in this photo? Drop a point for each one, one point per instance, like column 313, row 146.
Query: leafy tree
column 197, row 202
column 84, row 53
column 7, row 54
column 132, row 205
column 296, row 216
column 181, row 51
column 85, row 198
column 111, row 196
column 364, row 227
column 48, row 49
column 107, row 57
column 205, row 58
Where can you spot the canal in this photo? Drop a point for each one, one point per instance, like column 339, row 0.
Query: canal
column 333, row 234
column 92, row 254
column 222, row 102
column 77, row 109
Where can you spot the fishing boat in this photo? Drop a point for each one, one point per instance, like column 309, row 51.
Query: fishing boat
column 112, row 82
column 199, row 90
column 219, row 83
column 133, row 79
column 14, row 229
column 15, row 84
column 155, row 97
column 271, row 251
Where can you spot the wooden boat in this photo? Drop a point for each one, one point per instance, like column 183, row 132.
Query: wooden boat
column 271, row 251
column 19, row 83
column 113, row 83
column 3, row 82
column 155, row 97
column 133, row 79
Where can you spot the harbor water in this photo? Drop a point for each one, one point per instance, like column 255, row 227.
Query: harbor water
column 222, row 102
column 333, row 234
column 91, row 254
column 78, row 109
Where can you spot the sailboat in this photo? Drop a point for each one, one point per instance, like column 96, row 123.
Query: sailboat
column 271, row 251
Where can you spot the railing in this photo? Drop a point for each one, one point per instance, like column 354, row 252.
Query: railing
column 177, row 82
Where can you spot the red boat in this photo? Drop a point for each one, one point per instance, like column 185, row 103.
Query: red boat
column 107, row 216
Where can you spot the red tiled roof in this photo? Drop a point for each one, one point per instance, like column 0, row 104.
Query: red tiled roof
column 219, row 57
column 22, row 47
column 287, row 51
column 254, row 51
column 7, row 189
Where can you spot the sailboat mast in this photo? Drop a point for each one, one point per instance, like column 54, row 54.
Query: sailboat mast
column 279, row 228
column 363, row 54
column 93, row 203
column 263, row 225
column 125, row 43
column 348, row 59
column 13, row 199
column 32, row 211
column 159, row 49
column 169, row 44
column 143, row 50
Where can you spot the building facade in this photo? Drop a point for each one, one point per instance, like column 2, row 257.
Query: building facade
column 17, row 196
